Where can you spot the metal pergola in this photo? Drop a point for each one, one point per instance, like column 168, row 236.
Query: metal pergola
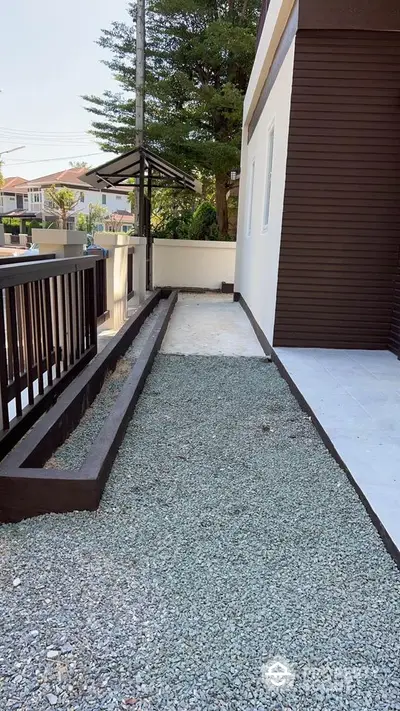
column 149, row 171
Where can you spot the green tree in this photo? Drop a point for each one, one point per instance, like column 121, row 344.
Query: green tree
column 61, row 202
column 79, row 164
column 199, row 57
column 87, row 222
column 1, row 175
column 204, row 223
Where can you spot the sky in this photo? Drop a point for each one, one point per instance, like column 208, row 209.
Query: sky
column 49, row 59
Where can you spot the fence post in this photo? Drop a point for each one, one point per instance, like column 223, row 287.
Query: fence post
column 117, row 272
column 2, row 238
column 64, row 243
column 139, row 267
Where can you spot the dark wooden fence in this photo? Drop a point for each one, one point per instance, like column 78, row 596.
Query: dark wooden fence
column 101, row 286
column 131, row 251
column 27, row 259
column 48, row 332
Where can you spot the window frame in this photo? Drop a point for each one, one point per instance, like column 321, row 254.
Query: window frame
column 268, row 175
column 251, row 198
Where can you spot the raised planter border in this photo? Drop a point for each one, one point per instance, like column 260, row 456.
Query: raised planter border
column 26, row 489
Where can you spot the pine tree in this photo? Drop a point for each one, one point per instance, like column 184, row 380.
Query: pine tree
column 198, row 62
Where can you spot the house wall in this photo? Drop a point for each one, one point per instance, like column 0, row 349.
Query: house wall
column 193, row 263
column 113, row 201
column 8, row 202
column 258, row 252
column 340, row 233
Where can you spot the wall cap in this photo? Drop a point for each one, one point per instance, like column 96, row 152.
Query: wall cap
column 112, row 239
column 60, row 237
column 194, row 243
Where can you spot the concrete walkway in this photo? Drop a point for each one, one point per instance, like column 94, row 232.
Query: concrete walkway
column 210, row 324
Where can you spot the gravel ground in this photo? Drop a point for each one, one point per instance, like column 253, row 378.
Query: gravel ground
column 227, row 535
column 73, row 451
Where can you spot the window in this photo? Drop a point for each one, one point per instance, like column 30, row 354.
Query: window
column 118, row 197
column 36, row 196
column 82, row 197
column 104, row 199
column 251, row 191
column 268, row 177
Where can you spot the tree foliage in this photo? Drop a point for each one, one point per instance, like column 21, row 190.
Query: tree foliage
column 204, row 223
column 96, row 214
column 1, row 175
column 61, row 202
column 199, row 55
column 79, row 164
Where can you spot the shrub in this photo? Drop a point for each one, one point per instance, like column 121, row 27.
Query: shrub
column 204, row 223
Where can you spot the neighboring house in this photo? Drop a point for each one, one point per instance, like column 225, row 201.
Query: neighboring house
column 13, row 195
column 115, row 200
column 118, row 221
column 319, row 206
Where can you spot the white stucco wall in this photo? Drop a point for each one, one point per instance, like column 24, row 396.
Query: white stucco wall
column 193, row 263
column 8, row 202
column 258, row 253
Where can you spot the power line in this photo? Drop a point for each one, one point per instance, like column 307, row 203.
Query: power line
column 48, row 160
column 43, row 133
column 47, row 145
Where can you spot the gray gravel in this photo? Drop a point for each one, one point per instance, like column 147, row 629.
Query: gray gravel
column 73, row 451
column 227, row 535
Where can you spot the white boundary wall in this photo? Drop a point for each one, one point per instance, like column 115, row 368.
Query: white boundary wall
column 193, row 263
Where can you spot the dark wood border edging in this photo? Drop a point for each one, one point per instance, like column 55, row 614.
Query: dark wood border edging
column 99, row 461
column 27, row 490
column 269, row 351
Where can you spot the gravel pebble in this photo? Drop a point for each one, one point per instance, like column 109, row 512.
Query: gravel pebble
column 217, row 546
column 73, row 451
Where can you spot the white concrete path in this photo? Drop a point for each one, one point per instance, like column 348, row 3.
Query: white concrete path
column 210, row 324
column 356, row 397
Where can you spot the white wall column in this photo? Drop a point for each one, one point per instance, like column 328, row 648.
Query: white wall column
column 117, row 276
column 63, row 243
column 139, row 267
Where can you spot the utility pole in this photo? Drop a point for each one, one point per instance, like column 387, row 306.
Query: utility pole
column 140, row 63
column 139, row 123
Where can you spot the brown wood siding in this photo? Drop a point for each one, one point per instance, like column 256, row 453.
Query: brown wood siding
column 341, row 221
column 394, row 335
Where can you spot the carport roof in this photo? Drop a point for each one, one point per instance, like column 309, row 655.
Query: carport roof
column 128, row 165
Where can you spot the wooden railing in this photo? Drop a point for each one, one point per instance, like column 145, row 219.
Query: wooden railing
column 131, row 251
column 48, row 331
column 27, row 259
column 101, row 285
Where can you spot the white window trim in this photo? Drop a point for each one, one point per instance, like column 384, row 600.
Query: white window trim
column 251, row 197
column 268, row 176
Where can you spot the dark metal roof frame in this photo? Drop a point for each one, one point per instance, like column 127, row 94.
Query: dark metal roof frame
column 131, row 164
